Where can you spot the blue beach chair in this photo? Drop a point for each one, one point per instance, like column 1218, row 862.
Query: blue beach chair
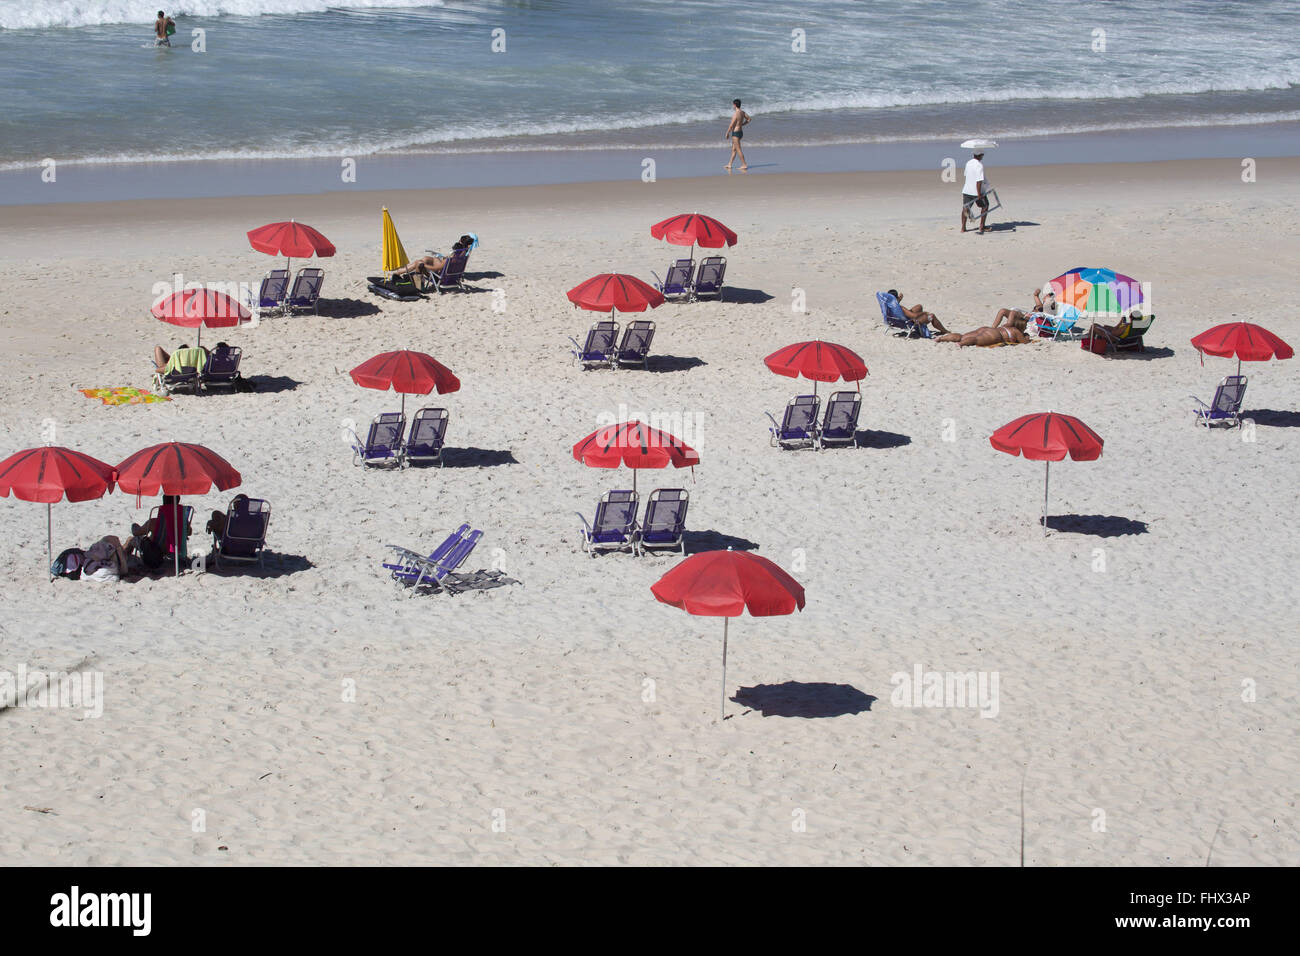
column 598, row 348
column 452, row 274
column 677, row 285
column 305, row 294
column 798, row 429
column 841, row 424
column 634, row 347
column 614, row 526
column 222, row 367
column 1063, row 325
column 708, row 281
column 1225, row 409
column 896, row 321
column 665, row 520
column 428, row 432
column 244, row 536
column 416, row 571
column 272, row 293
column 383, row 444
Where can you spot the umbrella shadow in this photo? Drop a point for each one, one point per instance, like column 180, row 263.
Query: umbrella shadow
column 1146, row 354
column 1101, row 526
column 1272, row 417
column 868, row 438
column 808, row 700
column 697, row 541
column 477, row 457
column 273, row 383
column 673, row 363
column 731, row 293
column 347, row 308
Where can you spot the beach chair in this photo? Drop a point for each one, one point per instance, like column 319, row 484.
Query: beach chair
column 677, row 285
column 665, row 520
column 428, row 431
column 708, row 281
column 1129, row 339
column 798, row 429
column 244, row 537
column 1225, row 409
column 973, row 210
column 452, row 274
column 614, row 526
column 222, row 367
column 272, row 293
column 1064, row 325
column 634, row 347
column 186, row 365
column 598, row 348
column 416, row 571
column 841, row 424
column 164, row 537
column 305, row 294
column 896, row 320
column 383, row 444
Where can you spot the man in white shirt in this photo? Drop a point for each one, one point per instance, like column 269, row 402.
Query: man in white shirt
column 973, row 189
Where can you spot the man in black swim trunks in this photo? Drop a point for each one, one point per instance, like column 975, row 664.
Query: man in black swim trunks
column 735, row 132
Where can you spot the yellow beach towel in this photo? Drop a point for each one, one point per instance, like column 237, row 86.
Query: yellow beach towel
column 124, row 396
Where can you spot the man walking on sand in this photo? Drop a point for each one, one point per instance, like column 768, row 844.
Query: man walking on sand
column 973, row 190
column 736, row 132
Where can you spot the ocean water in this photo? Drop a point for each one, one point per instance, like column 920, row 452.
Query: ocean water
column 81, row 82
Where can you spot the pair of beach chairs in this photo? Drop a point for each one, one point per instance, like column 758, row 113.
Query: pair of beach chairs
column 415, row 570
column 896, row 320
column 803, row 427
column 388, row 445
column 615, row 528
column 214, row 369
column 276, row 296
column 685, row 283
column 603, row 348
column 243, row 538
column 1225, row 407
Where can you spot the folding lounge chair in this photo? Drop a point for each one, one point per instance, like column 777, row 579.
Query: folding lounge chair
column 634, row 347
column 1225, row 409
column 184, row 376
column 405, row 568
column 598, row 348
column 841, row 424
column 665, row 520
column 1129, row 340
column 383, row 444
column 1064, row 325
column 798, row 428
column 305, row 294
column 245, row 533
column 677, row 285
column 452, row 274
column 614, row 527
column 164, row 538
column 708, row 281
column 428, row 431
column 973, row 210
column 416, row 570
column 222, row 367
column 273, row 292
column 896, row 320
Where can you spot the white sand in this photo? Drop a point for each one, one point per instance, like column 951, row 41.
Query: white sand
column 1120, row 690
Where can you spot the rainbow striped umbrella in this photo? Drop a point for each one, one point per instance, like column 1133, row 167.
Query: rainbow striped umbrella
column 1097, row 292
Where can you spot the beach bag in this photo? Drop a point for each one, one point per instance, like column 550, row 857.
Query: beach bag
column 68, row 564
column 1096, row 344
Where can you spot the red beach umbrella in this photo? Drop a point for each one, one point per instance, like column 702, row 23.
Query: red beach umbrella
column 693, row 229
column 175, row 468
column 1248, row 342
column 613, row 291
column 635, row 445
column 405, row 372
column 50, row 474
column 1048, row 437
column 818, row 361
column 196, row 308
column 726, row 584
column 290, row 239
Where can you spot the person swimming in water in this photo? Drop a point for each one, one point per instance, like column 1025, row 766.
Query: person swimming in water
column 163, row 28
column 735, row 132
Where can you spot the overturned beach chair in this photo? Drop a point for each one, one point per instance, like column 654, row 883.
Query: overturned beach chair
column 634, row 348
column 383, row 444
column 677, row 284
column 1225, row 408
column 272, row 293
column 222, row 368
column 897, row 321
column 708, row 280
column 598, row 348
column 798, row 428
column 614, row 526
column 840, row 426
column 428, row 432
column 451, row 275
column 305, row 294
column 415, row 570
column 244, row 536
column 665, row 520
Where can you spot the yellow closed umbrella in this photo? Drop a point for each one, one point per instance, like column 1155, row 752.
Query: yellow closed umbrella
column 394, row 255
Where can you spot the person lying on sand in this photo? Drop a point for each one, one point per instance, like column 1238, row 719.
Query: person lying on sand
column 1018, row 319
column 987, row 335
column 917, row 313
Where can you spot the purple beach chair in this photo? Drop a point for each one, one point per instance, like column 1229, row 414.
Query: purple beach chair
column 452, row 274
column 798, row 429
column 708, row 281
column 841, row 424
column 244, row 536
column 428, row 432
column 1225, row 409
column 634, row 347
column 598, row 348
column 677, row 285
column 273, row 291
column 416, row 571
column 665, row 520
column 383, row 444
column 305, row 294
column 222, row 367
column 614, row 526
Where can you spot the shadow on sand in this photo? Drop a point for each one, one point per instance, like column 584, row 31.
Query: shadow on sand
column 673, row 363
column 798, row 699
column 696, row 541
column 876, row 439
column 347, row 308
column 1272, row 418
column 1101, row 526
column 477, row 457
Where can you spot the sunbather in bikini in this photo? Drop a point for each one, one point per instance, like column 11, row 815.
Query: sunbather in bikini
column 987, row 335
column 427, row 265
column 1042, row 306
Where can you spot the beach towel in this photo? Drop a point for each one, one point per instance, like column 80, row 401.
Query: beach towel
column 186, row 358
column 124, row 396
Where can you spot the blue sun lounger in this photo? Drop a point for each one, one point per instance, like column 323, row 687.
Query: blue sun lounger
column 841, row 424
column 272, row 293
column 798, row 429
column 614, row 526
column 897, row 322
column 708, row 281
column 305, row 294
column 598, row 348
column 677, row 285
column 222, row 367
column 428, row 432
column 415, row 570
column 452, row 274
column 383, row 444
column 244, row 535
column 665, row 520
column 634, row 347
column 1225, row 409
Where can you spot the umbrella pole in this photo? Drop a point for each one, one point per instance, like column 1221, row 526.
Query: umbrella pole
column 1047, row 474
column 176, row 535
column 49, row 536
column 725, row 622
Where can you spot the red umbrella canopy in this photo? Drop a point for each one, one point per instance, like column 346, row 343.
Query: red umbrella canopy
column 728, row 583
column 635, row 445
column 613, row 290
column 293, row 239
column 175, row 468
column 1048, row 436
column 819, row 361
column 1245, row 341
column 52, row 473
column 192, row 308
column 412, row 373
column 693, row 229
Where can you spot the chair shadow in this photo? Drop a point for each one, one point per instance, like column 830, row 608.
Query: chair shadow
column 1272, row 417
column 477, row 457
column 477, row 276
column 799, row 699
column 274, row 565
column 673, row 363
column 1101, row 526
column 1146, row 355
column 1009, row 226
column 731, row 293
column 347, row 308
column 867, row 438
column 269, row 384
column 696, row 541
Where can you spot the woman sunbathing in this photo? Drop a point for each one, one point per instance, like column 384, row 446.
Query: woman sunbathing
column 917, row 313
column 1015, row 317
column 987, row 335
column 427, row 265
